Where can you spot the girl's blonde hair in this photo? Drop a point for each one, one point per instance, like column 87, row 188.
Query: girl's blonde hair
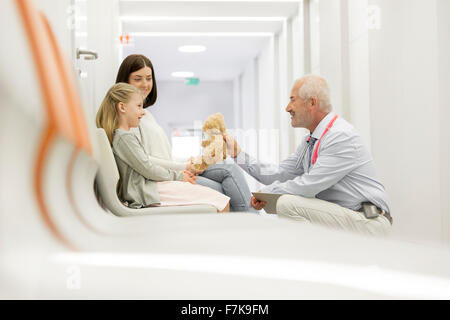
column 107, row 115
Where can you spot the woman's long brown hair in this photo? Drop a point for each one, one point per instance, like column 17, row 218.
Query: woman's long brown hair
column 133, row 63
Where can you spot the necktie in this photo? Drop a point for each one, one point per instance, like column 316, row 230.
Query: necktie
column 311, row 143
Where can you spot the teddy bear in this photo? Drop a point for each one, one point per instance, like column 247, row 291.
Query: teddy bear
column 214, row 147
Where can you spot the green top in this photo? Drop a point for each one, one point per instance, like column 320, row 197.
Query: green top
column 137, row 173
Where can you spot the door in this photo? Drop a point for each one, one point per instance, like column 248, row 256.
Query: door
column 84, row 58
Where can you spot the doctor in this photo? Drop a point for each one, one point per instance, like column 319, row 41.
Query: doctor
column 330, row 180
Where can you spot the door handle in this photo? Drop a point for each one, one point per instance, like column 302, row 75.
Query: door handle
column 89, row 54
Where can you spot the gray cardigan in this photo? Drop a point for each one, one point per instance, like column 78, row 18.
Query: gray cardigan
column 138, row 174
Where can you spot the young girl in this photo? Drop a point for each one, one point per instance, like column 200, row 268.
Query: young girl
column 144, row 183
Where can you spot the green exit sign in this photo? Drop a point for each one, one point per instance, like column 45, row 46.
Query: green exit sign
column 191, row 81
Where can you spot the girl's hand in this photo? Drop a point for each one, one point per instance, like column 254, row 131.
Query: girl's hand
column 189, row 164
column 190, row 167
column 189, row 177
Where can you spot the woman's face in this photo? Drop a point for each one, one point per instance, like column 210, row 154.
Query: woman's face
column 142, row 79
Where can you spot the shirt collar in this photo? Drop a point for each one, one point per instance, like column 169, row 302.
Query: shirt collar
column 317, row 133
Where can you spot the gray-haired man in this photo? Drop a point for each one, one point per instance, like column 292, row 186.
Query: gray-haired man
column 330, row 179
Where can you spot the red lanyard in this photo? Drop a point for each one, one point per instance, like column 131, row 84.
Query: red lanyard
column 315, row 155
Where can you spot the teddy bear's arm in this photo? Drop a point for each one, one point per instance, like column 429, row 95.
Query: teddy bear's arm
column 206, row 143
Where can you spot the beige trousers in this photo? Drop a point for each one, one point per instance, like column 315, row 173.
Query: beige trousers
column 316, row 211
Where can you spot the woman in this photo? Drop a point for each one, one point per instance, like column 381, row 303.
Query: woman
column 228, row 179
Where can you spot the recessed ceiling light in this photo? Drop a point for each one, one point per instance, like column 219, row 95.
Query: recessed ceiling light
column 182, row 74
column 201, row 34
column 208, row 18
column 192, row 49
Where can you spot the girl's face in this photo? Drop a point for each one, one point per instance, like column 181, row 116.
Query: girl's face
column 142, row 79
column 134, row 110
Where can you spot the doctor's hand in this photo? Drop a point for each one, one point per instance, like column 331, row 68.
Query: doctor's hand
column 233, row 149
column 258, row 205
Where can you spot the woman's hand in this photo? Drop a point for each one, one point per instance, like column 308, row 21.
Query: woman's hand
column 233, row 148
column 189, row 164
column 189, row 177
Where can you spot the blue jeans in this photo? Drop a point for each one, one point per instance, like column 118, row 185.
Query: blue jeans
column 228, row 179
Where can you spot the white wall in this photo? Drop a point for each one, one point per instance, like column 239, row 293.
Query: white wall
column 268, row 133
column 237, row 101
column 258, row 109
column 301, row 57
column 247, row 136
column 284, row 77
column 443, row 21
column 330, row 53
column 387, row 63
column 315, row 36
column 104, row 39
column 405, row 83
column 340, row 53
column 60, row 15
column 182, row 105
column 359, row 69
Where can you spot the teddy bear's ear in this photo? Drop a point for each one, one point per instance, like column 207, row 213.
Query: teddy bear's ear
column 221, row 121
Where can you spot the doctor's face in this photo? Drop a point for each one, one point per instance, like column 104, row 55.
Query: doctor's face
column 298, row 109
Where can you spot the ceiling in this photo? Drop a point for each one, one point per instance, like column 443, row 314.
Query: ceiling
column 234, row 33
column 209, row 8
column 224, row 58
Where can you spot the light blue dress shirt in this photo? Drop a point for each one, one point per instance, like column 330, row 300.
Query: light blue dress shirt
column 344, row 172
